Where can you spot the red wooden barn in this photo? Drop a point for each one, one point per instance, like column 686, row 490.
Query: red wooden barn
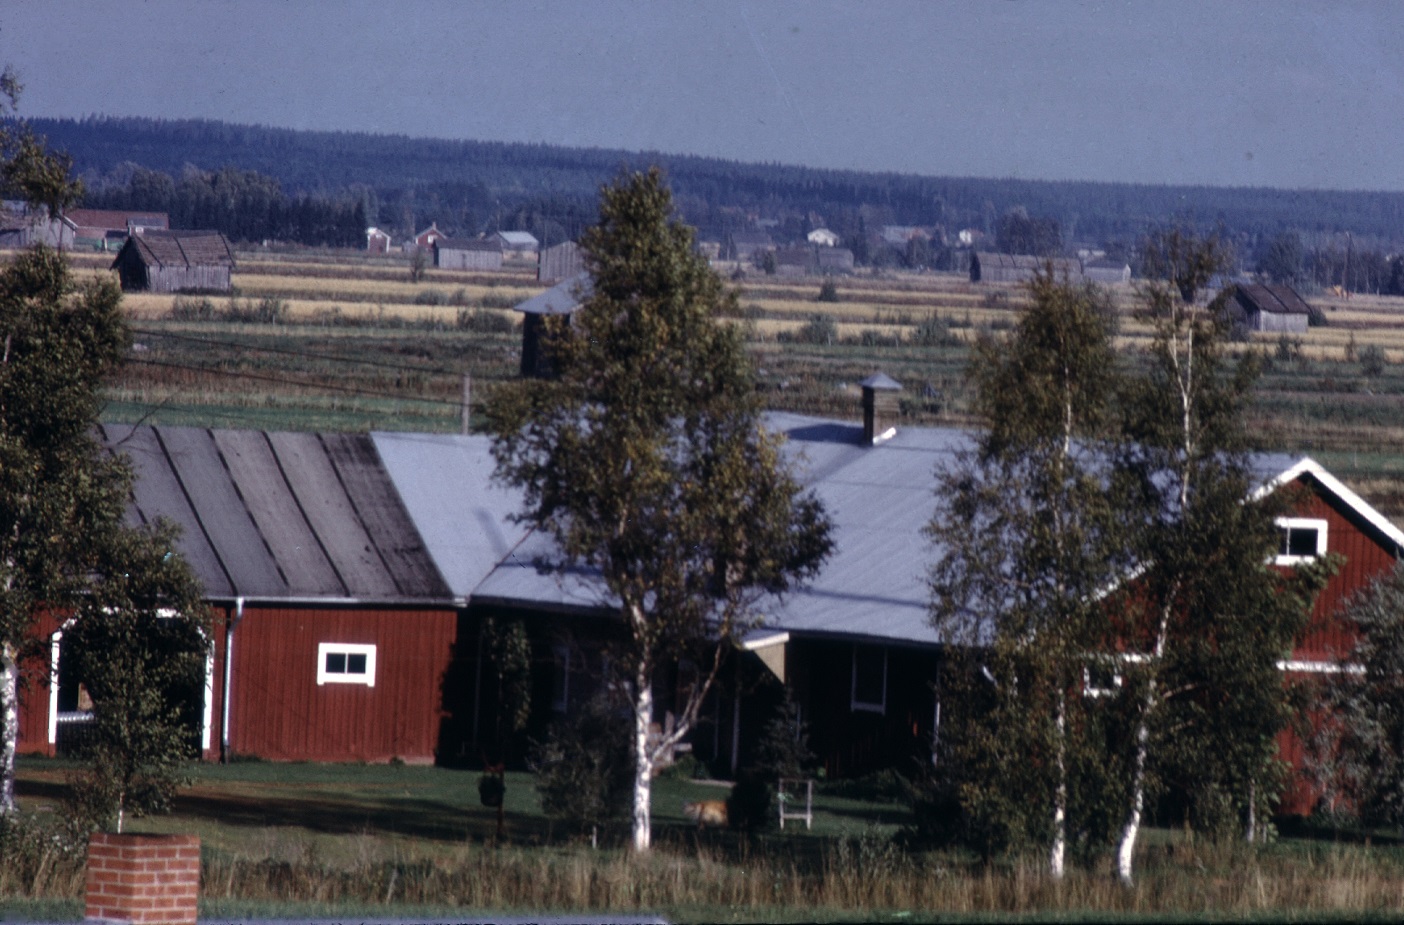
column 333, row 630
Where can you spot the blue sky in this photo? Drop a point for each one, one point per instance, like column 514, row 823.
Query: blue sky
column 1230, row 93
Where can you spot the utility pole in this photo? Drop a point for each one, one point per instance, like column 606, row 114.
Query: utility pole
column 465, row 404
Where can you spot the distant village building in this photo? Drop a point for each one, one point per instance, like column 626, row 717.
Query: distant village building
column 23, row 226
column 175, row 261
column 468, row 254
column 519, row 242
column 562, row 261
column 108, row 229
column 988, row 267
column 1105, row 270
column 823, row 237
column 835, row 260
column 426, row 239
column 1276, row 309
column 377, row 241
column 901, row 235
column 746, row 245
column 796, row 261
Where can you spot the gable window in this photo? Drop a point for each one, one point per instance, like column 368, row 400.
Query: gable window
column 1300, row 539
column 869, row 690
column 345, row 663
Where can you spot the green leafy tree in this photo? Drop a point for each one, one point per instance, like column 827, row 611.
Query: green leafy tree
column 62, row 496
column 1027, row 537
column 645, row 460
column 1208, row 615
column 139, row 641
column 1357, row 753
column 1282, row 260
column 584, row 769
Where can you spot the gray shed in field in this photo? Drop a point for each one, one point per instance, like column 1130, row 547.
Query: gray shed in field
column 989, row 267
column 468, row 253
column 1276, row 309
column 175, row 261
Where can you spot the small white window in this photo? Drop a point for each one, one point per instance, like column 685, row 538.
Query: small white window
column 1301, row 539
column 869, row 691
column 345, row 663
column 1100, row 679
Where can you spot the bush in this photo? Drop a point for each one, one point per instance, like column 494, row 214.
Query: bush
column 1372, row 360
column 820, row 329
column 267, row 310
column 1316, row 318
column 190, row 308
column 783, row 749
column 935, row 331
column 828, row 291
column 484, row 322
column 584, row 769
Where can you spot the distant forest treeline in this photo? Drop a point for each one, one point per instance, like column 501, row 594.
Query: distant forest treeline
column 338, row 180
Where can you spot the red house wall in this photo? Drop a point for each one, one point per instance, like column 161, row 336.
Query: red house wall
column 279, row 712
column 1327, row 638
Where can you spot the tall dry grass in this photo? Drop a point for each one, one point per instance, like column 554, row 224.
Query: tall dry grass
column 864, row 875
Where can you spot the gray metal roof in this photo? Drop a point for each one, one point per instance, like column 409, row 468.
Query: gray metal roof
column 561, row 299
column 280, row 516
column 880, row 499
column 464, row 518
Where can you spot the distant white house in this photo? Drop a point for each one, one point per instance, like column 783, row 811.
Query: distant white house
column 823, row 237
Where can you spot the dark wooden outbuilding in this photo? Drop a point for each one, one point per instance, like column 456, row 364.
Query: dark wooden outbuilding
column 1275, row 309
column 175, row 261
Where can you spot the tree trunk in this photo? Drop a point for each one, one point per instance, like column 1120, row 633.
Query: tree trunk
column 1126, row 850
column 9, row 726
column 643, row 760
column 1058, row 850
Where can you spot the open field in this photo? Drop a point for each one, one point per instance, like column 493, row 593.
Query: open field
column 301, row 840
column 357, row 345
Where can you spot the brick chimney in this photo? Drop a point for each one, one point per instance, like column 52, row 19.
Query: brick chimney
column 879, row 408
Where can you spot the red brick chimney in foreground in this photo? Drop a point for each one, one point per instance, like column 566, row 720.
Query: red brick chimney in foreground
column 143, row 879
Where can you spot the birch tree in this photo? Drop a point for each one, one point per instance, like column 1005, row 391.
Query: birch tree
column 1027, row 537
column 645, row 460
column 1207, row 617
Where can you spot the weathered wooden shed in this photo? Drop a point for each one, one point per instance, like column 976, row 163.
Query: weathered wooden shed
column 175, row 261
column 1274, row 308
column 468, row 254
column 561, row 299
column 990, row 267
column 560, row 261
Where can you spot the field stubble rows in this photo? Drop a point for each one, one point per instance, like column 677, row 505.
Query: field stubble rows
column 1315, row 397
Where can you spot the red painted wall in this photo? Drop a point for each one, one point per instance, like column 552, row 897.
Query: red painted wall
column 279, row 712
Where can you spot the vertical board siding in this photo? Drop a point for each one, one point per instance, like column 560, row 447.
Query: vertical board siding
column 280, row 713
column 1327, row 637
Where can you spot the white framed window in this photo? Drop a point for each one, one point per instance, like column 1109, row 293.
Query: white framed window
column 1301, row 539
column 345, row 663
column 1101, row 679
column 869, row 690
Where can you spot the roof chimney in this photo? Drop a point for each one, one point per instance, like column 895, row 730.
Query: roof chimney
column 879, row 407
